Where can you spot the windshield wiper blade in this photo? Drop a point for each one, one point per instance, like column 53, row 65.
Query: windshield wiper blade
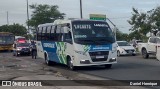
column 95, row 41
column 106, row 40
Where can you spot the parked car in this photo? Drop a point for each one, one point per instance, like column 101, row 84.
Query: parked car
column 124, row 48
column 21, row 49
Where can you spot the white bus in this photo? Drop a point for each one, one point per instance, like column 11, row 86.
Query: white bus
column 77, row 43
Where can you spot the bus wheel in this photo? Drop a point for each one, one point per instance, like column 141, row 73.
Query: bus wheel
column 108, row 66
column 47, row 61
column 70, row 64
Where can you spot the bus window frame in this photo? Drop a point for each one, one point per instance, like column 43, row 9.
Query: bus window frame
column 52, row 29
column 39, row 33
column 43, row 33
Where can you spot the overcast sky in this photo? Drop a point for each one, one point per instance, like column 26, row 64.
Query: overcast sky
column 119, row 11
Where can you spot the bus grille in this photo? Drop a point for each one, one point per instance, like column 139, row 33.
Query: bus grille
column 94, row 56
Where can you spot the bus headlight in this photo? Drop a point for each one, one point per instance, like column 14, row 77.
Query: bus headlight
column 80, row 52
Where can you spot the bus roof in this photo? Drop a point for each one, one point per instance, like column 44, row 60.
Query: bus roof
column 6, row 34
column 60, row 21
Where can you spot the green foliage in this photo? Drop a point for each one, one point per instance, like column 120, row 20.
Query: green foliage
column 121, row 36
column 144, row 22
column 140, row 23
column 28, row 36
column 155, row 18
column 44, row 14
column 16, row 29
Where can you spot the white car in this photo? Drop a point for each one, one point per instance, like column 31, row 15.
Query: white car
column 124, row 48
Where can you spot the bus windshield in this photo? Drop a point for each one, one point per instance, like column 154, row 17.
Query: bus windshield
column 92, row 32
column 6, row 39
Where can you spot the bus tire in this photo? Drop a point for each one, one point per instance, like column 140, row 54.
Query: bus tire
column 108, row 66
column 47, row 61
column 70, row 64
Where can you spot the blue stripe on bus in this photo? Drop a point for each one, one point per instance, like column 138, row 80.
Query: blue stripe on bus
column 106, row 47
column 50, row 48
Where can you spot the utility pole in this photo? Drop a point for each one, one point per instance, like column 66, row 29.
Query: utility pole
column 7, row 19
column 28, row 18
column 81, row 9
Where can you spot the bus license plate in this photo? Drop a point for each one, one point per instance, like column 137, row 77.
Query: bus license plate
column 99, row 56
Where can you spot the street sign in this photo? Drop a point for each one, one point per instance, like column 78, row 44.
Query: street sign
column 97, row 17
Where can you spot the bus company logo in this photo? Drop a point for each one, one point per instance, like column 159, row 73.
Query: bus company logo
column 48, row 45
column 99, row 47
column 6, row 83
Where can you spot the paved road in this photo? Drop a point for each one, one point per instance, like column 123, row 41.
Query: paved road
column 129, row 68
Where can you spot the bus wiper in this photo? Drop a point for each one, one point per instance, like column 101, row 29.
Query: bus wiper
column 106, row 40
column 94, row 41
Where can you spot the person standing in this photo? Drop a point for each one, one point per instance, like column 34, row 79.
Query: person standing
column 33, row 49
column 134, row 42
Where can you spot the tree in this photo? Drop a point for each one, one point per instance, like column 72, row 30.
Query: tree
column 155, row 18
column 140, row 22
column 16, row 29
column 29, row 36
column 121, row 36
column 44, row 14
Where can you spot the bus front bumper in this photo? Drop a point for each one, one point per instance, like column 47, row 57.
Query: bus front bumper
column 86, row 62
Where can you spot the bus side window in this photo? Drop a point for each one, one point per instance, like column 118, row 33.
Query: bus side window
column 58, row 33
column 52, row 33
column 43, row 36
column 47, row 35
column 68, row 37
column 39, row 33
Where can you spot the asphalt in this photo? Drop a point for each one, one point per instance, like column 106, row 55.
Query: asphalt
column 24, row 68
